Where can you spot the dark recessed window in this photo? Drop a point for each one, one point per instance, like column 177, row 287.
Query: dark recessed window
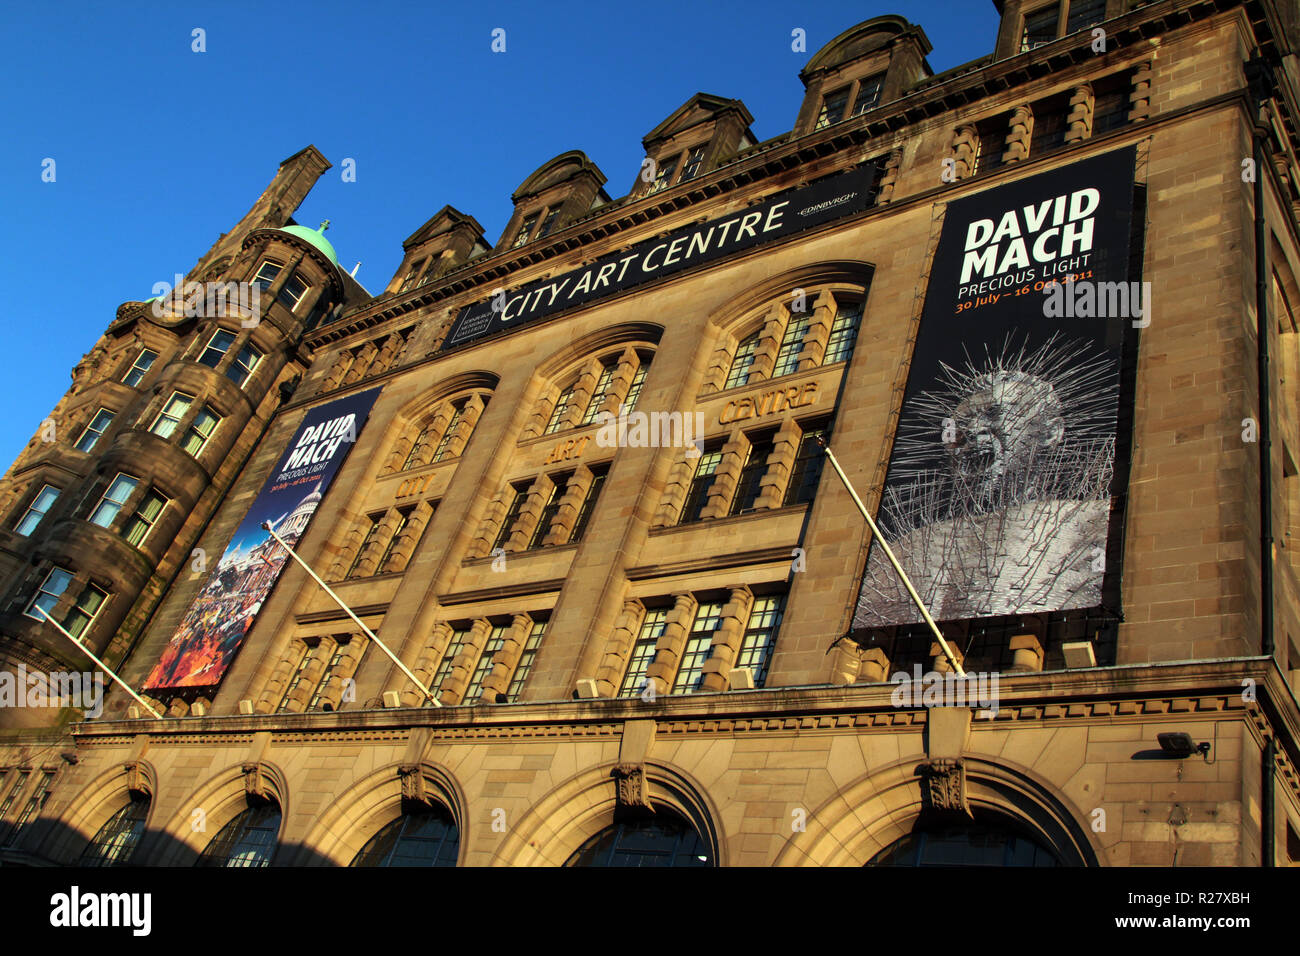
column 588, row 503
column 664, row 839
column 525, row 230
column 1110, row 104
column 549, row 222
column 807, row 471
column 1040, row 28
column 553, row 501
column 266, row 273
column 1050, row 124
column 292, row 291
column 246, row 841
column 1084, row 14
column 95, row 430
column 421, row 836
column 697, row 495
column 694, row 160
column 664, row 176
column 991, row 143
column 965, row 845
column 833, row 108
column 749, row 486
column 519, row 496
column 139, row 367
column 868, row 94
column 118, row 838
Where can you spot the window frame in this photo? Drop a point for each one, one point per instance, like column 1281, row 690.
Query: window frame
column 32, row 508
column 108, row 503
column 90, row 429
column 136, row 366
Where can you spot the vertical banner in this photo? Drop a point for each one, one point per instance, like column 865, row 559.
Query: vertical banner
column 210, row 634
column 998, row 495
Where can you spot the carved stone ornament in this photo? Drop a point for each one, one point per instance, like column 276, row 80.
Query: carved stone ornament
column 412, row 783
column 945, row 786
column 255, row 781
column 135, row 778
column 631, row 787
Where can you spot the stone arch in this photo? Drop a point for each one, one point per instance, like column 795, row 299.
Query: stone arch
column 857, row 41
column 556, row 170
column 564, row 361
column 882, row 806
column 736, row 316
column 221, row 798
column 371, row 803
column 97, row 802
column 559, row 823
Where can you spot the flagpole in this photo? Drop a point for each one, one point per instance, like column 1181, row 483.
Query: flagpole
column 943, row 645
column 102, row 666
column 428, row 694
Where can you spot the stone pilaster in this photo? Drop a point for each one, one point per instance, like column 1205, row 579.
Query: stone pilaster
column 1022, row 131
column 621, row 381
column 1140, row 95
column 361, row 364
column 375, row 550
column 490, row 526
column 965, row 148
column 727, row 640
column 539, row 493
column 280, row 678
column 734, row 453
column 426, row 665
column 503, row 665
column 401, row 553
column 312, row 668
column 566, row 516
column 715, row 376
column 819, row 330
column 469, row 417
column 769, row 343
column 672, row 642
column 331, row 694
column 889, row 177
column 457, row 679
column 619, row 648
column 582, row 392
column 1079, row 118
column 674, row 496
column 780, row 463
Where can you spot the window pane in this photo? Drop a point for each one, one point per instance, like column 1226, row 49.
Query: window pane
column 1040, row 28
column 662, row 840
column 37, row 510
column 634, row 389
column 833, row 108
column 760, row 636
column 246, row 841
column 495, row 641
column 266, row 273
column 739, row 374
column 165, row 424
column 526, row 657
column 557, row 413
column 868, row 94
column 697, row 496
column 598, row 395
column 118, row 838
column 217, row 347
column 111, row 503
column 243, row 365
column 292, row 291
column 1084, row 14
column 449, row 432
column 421, row 836
column 49, row 592
column 843, row 334
column 693, row 162
column 749, row 486
column 95, row 430
column 643, row 652
column 588, row 505
column 142, row 365
column 787, row 358
column 690, row 674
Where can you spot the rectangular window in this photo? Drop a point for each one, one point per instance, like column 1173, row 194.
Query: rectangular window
column 740, row 364
column 106, row 512
column 526, row 658
column 991, row 143
column 833, row 108
column 48, row 594
column 512, row 515
column 843, row 334
column 1040, row 28
column 868, row 94
column 20, row 784
column 142, row 364
column 365, row 543
column 37, row 510
column 84, row 611
column 598, row 395
column 496, row 640
column 1084, row 14
column 749, row 486
column 412, row 275
column 292, row 291
column 558, row 484
column 694, row 160
column 335, row 659
column 697, row 496
column 1110, row 103
column 643, row 652
column 588, row 503
column 634, row 388
column 95, row 430
column 557, row 414
column 417, row 446
column 34, row 804
column 807, row 471
column 787, row 358
column 454, row 647
column 1050, row 126
column 664, row 176
column 699, row 645
column 165, row 424
column 525, row 230
column 458, row 412
column 760, row 636
column 197, row 435
column 243, row 366
column 145, row 517
column 217, row 348
column 266, row 273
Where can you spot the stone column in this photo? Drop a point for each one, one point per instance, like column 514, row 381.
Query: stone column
column 965, row 147
column 465, row 427
column 734, row 453
column 819, row 331
column 621, row 381
column 889, row 177
column 457, row 679
column 400, row 556
column 674, row 496
column 769, row 343
column 668, row 651
column 719, row 365
column 312, row 668
column 332, row 692
column 1079, row 118
column 503, row 665
column 280, row 678
column 566, row 516
column 785, row 447
column 375, row 550
column 427, row 664
column 1022, row 131
column 727, row 640
column 361, row 364
column 493, row 515
column 1140, row 95
column 619, row 648
column 539, row 493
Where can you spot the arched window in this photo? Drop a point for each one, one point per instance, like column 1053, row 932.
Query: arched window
column 665, row 839
column 739, row 374
column 821, row 328
column 977, row 844
column 118, row 838
column 421, row 836
column 248, row 840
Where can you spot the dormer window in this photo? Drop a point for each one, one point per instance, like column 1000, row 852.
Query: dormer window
column 694, row 160
column 266, row 273
column 525, row 230
column 292, row 291
column 664, row 177
column 868, row 94
column 1044, row 25
column 833, row 108
column 549, row 222
column 412, row 275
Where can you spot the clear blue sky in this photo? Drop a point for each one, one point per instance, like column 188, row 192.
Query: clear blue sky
column 158, row 149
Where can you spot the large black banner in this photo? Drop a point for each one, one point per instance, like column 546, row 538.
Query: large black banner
column 205, row 644
column 998, row 495
column 782, row 215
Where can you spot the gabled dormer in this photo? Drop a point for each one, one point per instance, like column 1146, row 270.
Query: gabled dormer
column 561, row 190
column 1029, row 24
column 698, row 136
column 448, row 240
column 862, row 68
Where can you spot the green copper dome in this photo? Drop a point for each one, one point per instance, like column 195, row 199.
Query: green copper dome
column 316, row 237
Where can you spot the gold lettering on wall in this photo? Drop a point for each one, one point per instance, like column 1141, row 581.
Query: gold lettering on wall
column 769, row 403
column 413, row 486
column 567, row 449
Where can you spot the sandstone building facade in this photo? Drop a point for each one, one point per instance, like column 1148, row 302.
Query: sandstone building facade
column 643, row 651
